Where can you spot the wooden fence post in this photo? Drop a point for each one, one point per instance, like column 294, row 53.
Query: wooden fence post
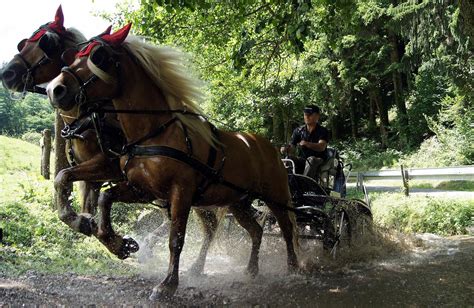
column 406, row 187
column 60, row 158
column 45, row 153
column 360, row 181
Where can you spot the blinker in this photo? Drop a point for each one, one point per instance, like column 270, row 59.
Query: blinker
column 21, row 44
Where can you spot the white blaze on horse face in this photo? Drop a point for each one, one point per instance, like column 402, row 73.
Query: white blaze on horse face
column 242, row 137
column 53, row 84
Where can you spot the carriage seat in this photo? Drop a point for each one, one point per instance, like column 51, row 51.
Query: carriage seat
column 331, row 162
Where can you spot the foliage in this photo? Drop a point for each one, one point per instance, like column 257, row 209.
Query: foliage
column 423, row 214
column 453, row 144
column 357, row 59
column 33, row 113
column 366, row 154
column 32, row 137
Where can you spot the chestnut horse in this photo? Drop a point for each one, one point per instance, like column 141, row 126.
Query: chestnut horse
column 157, row 101
column 39, row 61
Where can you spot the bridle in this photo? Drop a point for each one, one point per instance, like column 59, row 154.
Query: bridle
column 28, row 77
column 81, row 97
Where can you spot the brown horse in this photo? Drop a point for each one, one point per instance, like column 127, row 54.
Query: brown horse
column 156, row 101
column 39, row 61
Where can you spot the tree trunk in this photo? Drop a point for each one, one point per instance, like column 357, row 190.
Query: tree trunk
column 333, row 124
column 375, row 96
column 354, row 122
column 287, row 131
column 466, row 12
column 398, row 91
column 372, row 110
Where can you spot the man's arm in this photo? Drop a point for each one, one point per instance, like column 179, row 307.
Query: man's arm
column 319, row 146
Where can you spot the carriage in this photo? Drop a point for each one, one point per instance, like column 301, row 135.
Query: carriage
column 322, row 210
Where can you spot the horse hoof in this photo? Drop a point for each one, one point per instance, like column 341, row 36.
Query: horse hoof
column 196, row 270
column 86, row 224
column 252, row 271
column 162, row 293
column 129, row 245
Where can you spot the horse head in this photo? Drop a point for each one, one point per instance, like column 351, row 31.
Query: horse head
column 92, row 73
column 39, row 57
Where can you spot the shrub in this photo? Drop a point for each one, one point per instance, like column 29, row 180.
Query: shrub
column 423, row 214
column 365, row 154
column 32, row 137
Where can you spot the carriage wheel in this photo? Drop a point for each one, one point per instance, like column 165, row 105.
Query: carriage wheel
column 351, row 225
column 341, row 229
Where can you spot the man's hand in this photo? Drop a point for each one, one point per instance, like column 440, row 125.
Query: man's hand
column 303, row 143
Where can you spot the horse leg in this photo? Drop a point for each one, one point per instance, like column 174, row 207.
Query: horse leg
column 208, row 221
column 116, row 244
column 246, row 219
column 287, row 222
column 96, row 169
column 90, row 196
column 180, row 208
column 63, row 186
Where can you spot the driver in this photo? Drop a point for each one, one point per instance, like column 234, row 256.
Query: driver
column 313, row 139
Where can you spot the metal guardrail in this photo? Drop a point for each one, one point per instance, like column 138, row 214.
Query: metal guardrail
column 446, row 173
column 465, row 173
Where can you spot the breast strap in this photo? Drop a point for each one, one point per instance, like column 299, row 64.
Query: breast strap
column 209, row 172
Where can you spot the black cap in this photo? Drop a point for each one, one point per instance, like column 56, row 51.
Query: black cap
column 311, row 109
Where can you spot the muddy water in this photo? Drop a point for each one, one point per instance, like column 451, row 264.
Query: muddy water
column 388, row 270
column 422, row 270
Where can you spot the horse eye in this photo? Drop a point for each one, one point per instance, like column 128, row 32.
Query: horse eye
column 21, row 44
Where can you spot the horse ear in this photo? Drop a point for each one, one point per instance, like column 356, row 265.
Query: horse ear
column 100, row 57
column 68, row 56
column 59, row 17
column 21, row 44
column 119, row 36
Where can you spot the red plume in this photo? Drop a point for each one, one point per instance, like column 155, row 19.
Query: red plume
column 117, row 38
column 58, row 24
column 114, row 39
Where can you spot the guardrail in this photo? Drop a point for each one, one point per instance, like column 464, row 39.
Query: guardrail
column 446, row 173
column 465, row 173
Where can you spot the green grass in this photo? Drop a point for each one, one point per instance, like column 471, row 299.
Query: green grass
column 33, row 236
column 420, row 214
column 447, row 185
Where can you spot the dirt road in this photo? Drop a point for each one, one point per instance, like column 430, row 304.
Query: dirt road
column 436, row 272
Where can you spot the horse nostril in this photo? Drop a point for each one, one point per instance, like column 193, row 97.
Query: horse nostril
column 59, row 91
column 8, row 75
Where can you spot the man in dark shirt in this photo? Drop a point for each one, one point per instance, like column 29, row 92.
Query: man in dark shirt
column 313, row 139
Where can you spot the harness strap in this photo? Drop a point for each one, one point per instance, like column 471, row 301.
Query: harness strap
column 185, row 158
column 127, row 149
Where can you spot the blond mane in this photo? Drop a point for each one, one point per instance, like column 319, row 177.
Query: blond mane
column 168, row 69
